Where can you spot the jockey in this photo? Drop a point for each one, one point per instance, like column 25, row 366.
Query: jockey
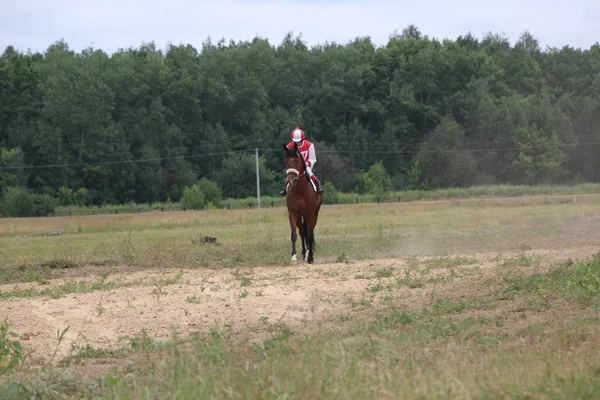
column 307, row 149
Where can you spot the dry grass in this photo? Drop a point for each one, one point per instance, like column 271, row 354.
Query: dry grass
column 441, row 320
column 447, row 348
column 259, row 237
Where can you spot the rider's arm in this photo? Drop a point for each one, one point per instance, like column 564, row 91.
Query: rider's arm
column 312, row 156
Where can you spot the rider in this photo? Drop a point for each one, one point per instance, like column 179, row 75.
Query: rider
column 307, row 149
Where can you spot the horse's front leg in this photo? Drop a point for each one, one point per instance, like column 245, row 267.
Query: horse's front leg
column 302, row 229
column 293, row 236
column 310, row 241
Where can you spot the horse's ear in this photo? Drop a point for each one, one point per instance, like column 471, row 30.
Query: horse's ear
column 285, row 148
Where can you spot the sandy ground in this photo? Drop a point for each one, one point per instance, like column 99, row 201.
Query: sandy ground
column 302, row 296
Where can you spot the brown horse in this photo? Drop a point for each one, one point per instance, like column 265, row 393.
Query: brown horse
column 303, row 203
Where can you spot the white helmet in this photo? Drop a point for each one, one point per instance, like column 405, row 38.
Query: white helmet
column 297, row 135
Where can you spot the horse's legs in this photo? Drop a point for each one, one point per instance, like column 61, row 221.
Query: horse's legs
column 310, row 240
column 293, row 236
column 304, row 236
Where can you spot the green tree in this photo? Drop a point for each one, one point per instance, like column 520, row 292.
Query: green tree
column 12, row 168
column 539, row 158
column 443, row 159
column 143, row 123
column 237, row 178
column 375, row 181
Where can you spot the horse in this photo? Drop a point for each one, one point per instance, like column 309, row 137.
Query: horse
column 303, row 203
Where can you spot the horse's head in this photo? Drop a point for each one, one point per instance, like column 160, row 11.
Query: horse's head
column 293, row 164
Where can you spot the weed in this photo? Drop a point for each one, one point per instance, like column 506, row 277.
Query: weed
column 192, row 299
column 443, row 306
column 59, row 338
column 342, row 258
column 158, row 292
column 245, row 281
column 471, row 271
column 384, row 273
column 11, row 351
column 376, row 288
column 219, row 332
column 363, row 302
column 78, row 354
column 331, row 274
column 411, row 281
column 579, row 283
column 449, row 262
column 522, row 261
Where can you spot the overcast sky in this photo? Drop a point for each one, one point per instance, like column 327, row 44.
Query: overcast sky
column 113, row 24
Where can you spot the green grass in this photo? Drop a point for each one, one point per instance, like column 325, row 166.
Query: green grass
column 261, row 237
column 450, row 261
column 443, row 306
column 441, row 351
column 578, row 283
column 475, row 192
column 101, row 284
column 530, row 330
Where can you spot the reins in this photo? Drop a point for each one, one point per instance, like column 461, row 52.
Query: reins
column 294, row 170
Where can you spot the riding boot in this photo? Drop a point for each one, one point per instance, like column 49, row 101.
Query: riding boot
column 284, row 191
column 318, row 184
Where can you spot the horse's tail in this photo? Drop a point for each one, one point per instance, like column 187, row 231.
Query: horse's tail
column 305, row 228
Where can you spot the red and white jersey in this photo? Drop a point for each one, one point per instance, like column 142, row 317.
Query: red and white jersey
column 308, row 152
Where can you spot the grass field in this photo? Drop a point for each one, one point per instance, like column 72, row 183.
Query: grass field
column 432, row 301
column 335, row 197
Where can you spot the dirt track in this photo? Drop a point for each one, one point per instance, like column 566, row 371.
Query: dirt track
column 302, row 296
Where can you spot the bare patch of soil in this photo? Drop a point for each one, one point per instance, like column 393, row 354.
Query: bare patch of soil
column 237, row 300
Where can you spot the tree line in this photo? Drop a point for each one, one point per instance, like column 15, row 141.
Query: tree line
column 143, row 124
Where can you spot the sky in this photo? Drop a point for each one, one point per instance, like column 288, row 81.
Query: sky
column 113, row 24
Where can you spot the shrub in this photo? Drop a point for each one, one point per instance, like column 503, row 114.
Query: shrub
column 66, row 197
column 18, row 202
column 211, row 190
column 82, row 196
column 43, row 205
column 193, row 198
column 331, row 194
column 375, row 181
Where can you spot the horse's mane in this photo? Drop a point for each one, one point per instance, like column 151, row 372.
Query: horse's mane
column 297, row 153
column 302, row 161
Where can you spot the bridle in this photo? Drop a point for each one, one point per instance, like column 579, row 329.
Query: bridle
column 294, row 170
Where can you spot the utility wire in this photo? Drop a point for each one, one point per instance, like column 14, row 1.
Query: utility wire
column 400, row 152
column 126, row 161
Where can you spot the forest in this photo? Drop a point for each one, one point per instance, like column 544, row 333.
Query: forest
column 143, row 124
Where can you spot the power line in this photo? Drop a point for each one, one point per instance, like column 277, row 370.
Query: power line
column 326, row 144
column 402, row 152
column 157, row 149
column 126, row 161
column 447, row 151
